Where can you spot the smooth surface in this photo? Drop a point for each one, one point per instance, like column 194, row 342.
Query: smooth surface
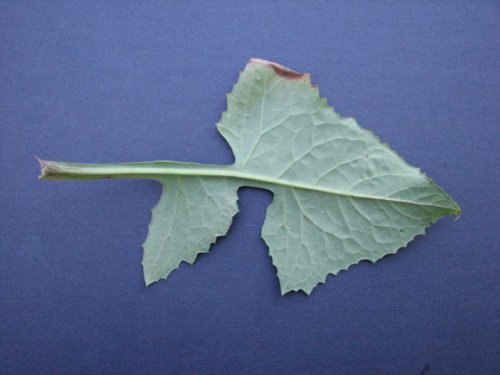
column 116, row 82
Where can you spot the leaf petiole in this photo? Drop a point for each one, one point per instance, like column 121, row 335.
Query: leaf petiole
column 54, row 170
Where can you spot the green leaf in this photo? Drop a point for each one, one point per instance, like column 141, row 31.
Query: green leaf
column 340, row 195
column 191, row 214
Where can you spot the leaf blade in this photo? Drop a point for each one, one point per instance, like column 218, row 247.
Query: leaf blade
column 310, row 237
column 179, row 229
column 289, row 134
column 301, row 145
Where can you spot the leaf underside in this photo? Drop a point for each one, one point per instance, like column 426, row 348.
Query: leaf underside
column 340, row 195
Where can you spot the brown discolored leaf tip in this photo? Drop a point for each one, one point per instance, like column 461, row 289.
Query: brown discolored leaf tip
column 279, row 69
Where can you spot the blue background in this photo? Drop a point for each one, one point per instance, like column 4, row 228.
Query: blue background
column 132, row 81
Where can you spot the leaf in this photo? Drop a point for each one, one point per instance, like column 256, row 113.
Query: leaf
column 340, row 195
column 191, row 214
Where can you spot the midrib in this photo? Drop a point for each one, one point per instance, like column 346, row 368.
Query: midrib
column 68, row 171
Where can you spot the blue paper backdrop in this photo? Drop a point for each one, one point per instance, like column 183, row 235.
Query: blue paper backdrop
column 95, row 81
